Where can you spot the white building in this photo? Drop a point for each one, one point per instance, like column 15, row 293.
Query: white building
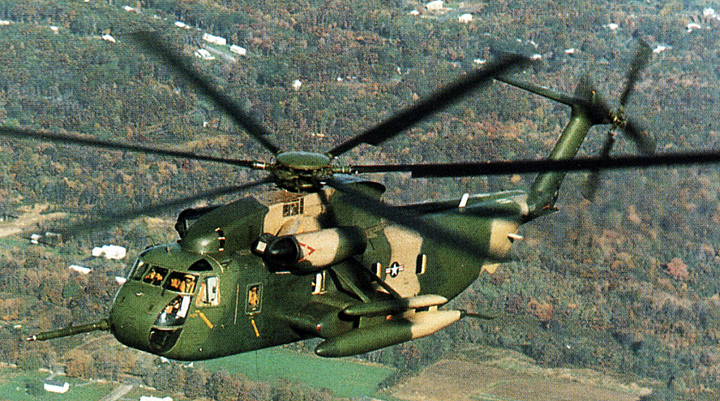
column 238, row 50
column 661, row 48
column 80, row 269
column 110, row 252
column 692, row 26
column 35, row 238
column 214, row 39
column 435, row 5
column 204, row 54
column 55, row 386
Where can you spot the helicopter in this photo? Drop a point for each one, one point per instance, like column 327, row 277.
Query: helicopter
column 322, row 256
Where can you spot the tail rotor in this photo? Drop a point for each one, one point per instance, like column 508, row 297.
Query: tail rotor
column 645, row 143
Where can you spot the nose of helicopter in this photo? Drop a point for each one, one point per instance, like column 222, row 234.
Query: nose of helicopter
column 133, row 314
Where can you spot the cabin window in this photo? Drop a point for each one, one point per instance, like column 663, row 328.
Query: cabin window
column 293, row 208
column 162, row 339
column 254, row 299
column 155, row 275
column 421, row 264
column 209, row 292
column 181, row 282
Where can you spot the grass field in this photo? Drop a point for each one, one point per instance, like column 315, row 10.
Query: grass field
column 344, row 377
column 14, row 387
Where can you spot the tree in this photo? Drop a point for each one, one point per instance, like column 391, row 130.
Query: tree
column 222, row 386
column 105, row 364
column 34, row 387
column 10, row 308
column 196, row 383
column 79, row 363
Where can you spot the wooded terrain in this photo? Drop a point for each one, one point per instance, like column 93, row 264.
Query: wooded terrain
column 628, row 284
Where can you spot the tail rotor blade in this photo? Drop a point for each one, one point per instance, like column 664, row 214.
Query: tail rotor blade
column 645, row 143
column 640, row 61
column 593, row 180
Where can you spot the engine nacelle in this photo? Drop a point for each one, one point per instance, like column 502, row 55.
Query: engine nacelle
column 313, row 251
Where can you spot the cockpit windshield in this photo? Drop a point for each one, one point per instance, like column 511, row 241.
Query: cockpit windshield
column 155, row 275
column 170, row 280
column 181, row 282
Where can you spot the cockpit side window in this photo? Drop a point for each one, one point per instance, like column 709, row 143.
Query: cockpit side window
column 181, row 282
column 155, row 275
column 136, row 273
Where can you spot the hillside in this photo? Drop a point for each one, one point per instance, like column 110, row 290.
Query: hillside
column 627, row 285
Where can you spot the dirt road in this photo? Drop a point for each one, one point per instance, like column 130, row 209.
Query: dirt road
column 31, row 216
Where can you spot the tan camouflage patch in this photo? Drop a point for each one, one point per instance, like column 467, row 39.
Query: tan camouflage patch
column 405, row 246
column 500, row 243
column 293, row 214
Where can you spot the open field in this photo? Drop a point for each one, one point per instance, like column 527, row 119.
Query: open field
column 338, row 375
column 486, row 374
column 17, row 385
column 31, row 217
column 14, row 386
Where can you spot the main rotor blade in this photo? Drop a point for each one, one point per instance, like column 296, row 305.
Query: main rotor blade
column 540, row 166
column 113, row 219
column 76, row 140
column 436, row 102
column 645, row 143
column 593, row 180
column 640, row 61
column 425, row 228
column 154, row 43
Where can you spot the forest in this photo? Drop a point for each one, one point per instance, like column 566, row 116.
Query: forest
column 626, row 284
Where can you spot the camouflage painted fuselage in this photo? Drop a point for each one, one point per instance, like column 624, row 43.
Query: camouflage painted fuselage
column 240, row 302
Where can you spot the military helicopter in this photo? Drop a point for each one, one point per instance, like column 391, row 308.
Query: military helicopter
column 322, row 256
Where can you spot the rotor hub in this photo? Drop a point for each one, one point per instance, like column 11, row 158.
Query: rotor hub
column 302, row 171
column 303, row 161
